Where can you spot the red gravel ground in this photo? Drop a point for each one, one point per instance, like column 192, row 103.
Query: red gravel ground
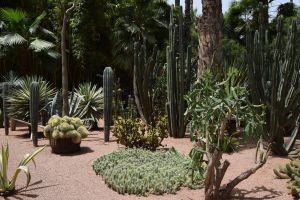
column 72, row 177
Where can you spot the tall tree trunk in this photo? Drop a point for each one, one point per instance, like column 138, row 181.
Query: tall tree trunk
column 210, row 36
column 263, row 16
column 187, row 23
column 64, row 64
column 177, row 3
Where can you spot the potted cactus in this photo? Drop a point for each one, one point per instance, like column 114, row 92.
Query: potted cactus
column 65, row 134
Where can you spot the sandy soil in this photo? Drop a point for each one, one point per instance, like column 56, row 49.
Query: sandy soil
column 72, row 177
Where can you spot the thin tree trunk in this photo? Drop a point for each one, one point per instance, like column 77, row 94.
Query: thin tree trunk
column 210, row 36
column 65, row 88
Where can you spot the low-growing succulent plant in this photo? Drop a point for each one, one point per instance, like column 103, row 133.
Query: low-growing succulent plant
column 66, row 127
column 291, row 171
column 135, row 133
column 143, row 172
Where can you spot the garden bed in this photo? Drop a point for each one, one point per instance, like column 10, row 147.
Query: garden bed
column 72, row 176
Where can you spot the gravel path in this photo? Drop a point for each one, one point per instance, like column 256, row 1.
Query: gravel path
column 72, row 177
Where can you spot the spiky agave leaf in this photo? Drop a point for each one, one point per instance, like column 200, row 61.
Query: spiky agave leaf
column 19, row 97
column 91, row 103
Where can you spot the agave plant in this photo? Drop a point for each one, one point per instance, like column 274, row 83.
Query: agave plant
column 19, row 96
column 8, row 186
column 90, row 106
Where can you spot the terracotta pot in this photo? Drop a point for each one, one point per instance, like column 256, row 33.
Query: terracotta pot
column 63, row 146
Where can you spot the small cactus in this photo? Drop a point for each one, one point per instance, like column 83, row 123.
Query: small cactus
column 108, row 76
column 34, row 111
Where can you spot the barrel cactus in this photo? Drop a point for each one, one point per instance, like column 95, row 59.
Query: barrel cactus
column 66, row 127
column 108, row 76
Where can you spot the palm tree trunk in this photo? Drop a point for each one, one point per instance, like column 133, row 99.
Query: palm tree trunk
column 210, row 36
column 65, row 91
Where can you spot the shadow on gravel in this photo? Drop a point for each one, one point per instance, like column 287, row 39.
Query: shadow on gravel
column 270, row 193
column 83, row 150
column 23, row 193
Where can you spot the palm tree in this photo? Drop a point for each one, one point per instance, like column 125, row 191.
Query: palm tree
column 210, row 36
column 18, row 31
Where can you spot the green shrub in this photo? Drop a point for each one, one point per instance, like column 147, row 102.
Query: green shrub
column 134, row 133
column 143, row 172
column 66, row 127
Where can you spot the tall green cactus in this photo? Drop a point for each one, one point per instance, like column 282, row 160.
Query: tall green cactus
column 108, row 76
column 178, row 76
column 142, row 78
column 4, row 104
column 34, row 111
column 274, row 80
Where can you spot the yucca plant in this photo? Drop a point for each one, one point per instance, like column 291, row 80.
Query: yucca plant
column 8, row 186
column 19, row 97
column 91, row 102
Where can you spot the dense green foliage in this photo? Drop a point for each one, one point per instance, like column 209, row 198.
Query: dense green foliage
column 135, row 133
column 66, row 127
column 7, row 186
column 142, row 172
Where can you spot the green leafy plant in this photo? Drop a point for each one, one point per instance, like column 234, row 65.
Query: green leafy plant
column 211, row 105
column 19, row 97
column 7, row 186
column 91, row 102
column 135, row 133
column 66, row 127
column 143, row 172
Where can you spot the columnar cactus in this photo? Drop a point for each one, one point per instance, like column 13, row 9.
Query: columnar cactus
column 275, row 82
column 108, row 76
column 178, row 76
column 5, row 114
column 142, row 77
column 34, row 110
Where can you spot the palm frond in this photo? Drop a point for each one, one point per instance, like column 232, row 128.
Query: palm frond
column 39, row 45
column 12, row 15
column 12, row 39
column 34, row 26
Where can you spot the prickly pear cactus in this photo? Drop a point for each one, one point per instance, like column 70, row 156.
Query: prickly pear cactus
column 108, row 76
column 34, row 111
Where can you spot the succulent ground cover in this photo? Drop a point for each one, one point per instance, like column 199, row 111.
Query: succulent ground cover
column 143, row 172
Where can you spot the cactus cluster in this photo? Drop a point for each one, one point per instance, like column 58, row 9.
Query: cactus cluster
column 291, row 171
column 178, row 76
column 275, row 82
column 108, row 78
column 142, row 80
column 66, row 127
column 142, row 172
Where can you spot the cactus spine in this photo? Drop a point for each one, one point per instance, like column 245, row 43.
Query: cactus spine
column 5, row 114
column 108, row 76
column 143, row 74
column 274, row 80
column 34, row 110
column 178, row 76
